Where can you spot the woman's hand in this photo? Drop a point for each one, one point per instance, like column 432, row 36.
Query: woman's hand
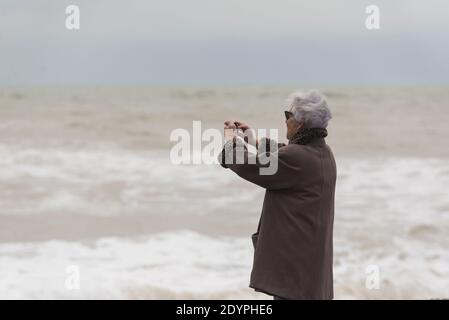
column 241, row 125
column 229, row 130
column 238, row 128
column 246, row 133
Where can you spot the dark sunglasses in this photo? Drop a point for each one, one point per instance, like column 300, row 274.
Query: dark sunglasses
column 288, row 115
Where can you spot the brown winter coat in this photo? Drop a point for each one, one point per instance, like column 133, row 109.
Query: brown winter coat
column 293, row 249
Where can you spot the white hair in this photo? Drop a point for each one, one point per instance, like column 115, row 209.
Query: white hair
column 310, row 108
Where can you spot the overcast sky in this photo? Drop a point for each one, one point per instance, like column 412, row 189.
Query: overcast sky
column 209, row 42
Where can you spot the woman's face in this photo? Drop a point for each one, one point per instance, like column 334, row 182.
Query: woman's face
column 292, row 126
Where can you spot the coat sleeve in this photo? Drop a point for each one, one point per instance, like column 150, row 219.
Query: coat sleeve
column 280, row 170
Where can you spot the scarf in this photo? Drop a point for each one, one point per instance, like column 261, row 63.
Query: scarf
column 306, row 135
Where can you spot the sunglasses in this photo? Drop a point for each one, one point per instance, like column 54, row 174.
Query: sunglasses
column 288, row 115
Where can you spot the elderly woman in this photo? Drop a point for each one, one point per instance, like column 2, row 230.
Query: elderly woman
column 293, row 250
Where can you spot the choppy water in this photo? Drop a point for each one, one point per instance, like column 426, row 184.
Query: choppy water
column 86, row 181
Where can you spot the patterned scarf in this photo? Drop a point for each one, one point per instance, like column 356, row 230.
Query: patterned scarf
column 306, row 135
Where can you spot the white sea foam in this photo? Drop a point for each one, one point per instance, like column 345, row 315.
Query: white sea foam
column 165, row 265
column 188, row 265
column 117, row 182
column 392, row 213
column 102, row 182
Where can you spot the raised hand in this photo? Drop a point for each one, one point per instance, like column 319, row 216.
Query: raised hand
column 229, row 130
column 241, row 125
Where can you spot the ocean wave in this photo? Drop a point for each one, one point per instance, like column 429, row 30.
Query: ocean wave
column 97, row 182
column 189, row 265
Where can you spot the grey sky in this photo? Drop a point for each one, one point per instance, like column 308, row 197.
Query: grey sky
column 224, row 42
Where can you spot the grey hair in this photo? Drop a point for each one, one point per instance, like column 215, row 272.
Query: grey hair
column 311, row 108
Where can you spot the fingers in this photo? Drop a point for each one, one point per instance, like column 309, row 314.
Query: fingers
column 241, row 125
column 230, row 124
column 235, row 122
